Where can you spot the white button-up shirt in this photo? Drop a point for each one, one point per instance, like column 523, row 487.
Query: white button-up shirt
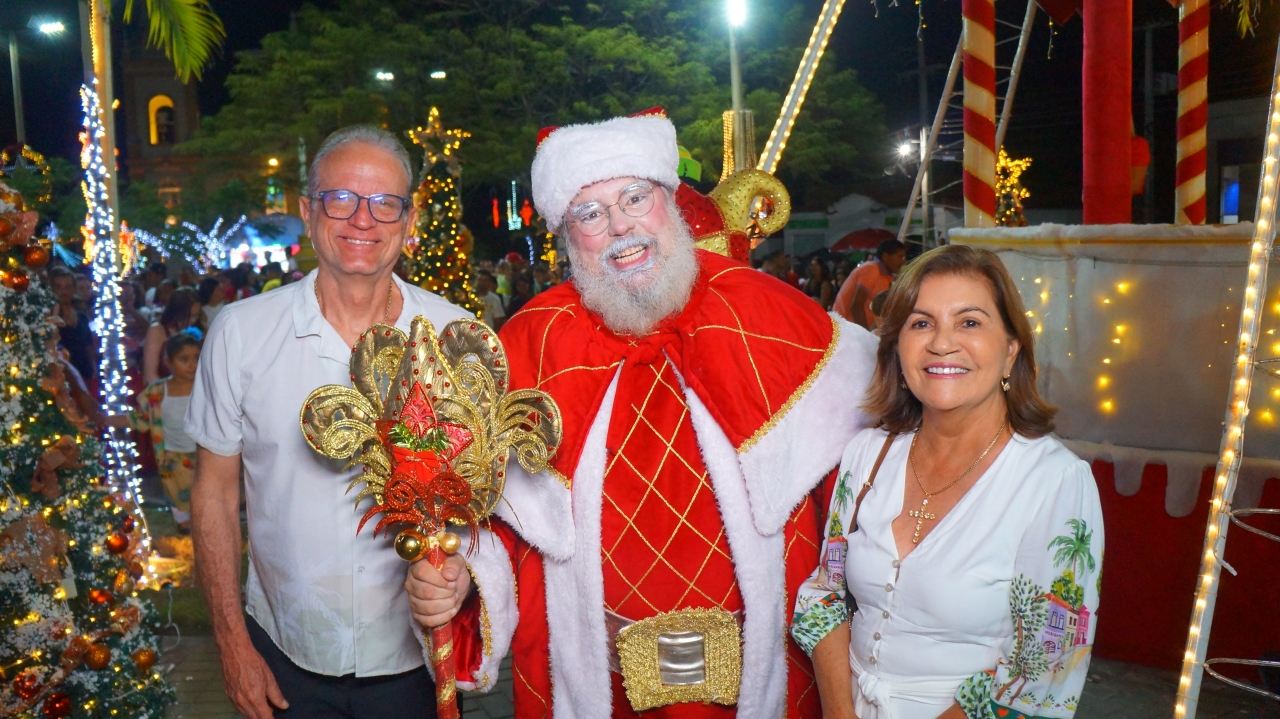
column 333, row 601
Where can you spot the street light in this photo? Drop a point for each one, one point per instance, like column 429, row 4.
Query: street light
column 384, row 76
column 49, row 27
column 904, row 150
column 438, row 75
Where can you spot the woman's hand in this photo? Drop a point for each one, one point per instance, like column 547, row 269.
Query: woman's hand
column 835, row 678
column 953, row 712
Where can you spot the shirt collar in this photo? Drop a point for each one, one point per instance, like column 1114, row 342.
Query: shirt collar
column 308, row 321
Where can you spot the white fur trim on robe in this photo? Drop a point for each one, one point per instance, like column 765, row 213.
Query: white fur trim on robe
column 760, row 569
column 581, row 687
column 490, row 567
column 807, row 442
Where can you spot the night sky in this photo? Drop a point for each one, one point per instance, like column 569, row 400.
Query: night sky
column 1046, row 121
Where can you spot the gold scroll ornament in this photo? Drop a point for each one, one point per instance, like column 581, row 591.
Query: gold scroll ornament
column 464, row 374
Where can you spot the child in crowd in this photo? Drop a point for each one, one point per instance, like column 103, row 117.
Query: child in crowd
column 162, row 407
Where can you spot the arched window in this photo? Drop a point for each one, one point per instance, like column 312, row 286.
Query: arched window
column 160, row 112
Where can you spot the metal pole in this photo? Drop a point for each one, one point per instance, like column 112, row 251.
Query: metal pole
column 800, row 85
column 735, row 71
column 1229, row 453
column 743, row 149
column 925, row 240
column 947, row 88
column 86, row 40
column 1149, row 123
column 922, row 80
column 17, row 90
column 100, row 32
column 1014, row 73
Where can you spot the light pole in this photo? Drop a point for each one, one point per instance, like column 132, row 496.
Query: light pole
column 743, row 144
column 44, row 26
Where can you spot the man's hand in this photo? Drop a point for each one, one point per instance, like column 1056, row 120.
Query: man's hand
column 249, row 682
column 436, row 595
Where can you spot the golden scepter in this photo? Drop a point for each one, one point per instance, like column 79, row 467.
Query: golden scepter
column 431, row 419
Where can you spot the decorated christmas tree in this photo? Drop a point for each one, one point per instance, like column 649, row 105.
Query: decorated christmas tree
column 78, row 640
column 1009, row 190
column 439, row 260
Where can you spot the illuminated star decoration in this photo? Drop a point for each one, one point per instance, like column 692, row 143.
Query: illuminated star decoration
column 448, row 141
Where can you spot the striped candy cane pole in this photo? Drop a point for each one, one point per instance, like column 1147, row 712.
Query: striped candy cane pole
column 442, row 650
column 979, row 44
column 1193, row 109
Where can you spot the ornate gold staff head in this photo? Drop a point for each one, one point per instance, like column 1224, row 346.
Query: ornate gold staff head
column 432, row 420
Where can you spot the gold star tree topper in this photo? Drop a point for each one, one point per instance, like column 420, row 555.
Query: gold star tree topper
column 434, row 136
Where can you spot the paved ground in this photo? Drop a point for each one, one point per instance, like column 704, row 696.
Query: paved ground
column 1116, row 690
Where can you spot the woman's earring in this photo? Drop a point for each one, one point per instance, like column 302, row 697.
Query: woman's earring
column 1004, row 384
column 902, row 381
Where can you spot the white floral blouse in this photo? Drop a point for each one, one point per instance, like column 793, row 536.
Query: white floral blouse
column 995, row 609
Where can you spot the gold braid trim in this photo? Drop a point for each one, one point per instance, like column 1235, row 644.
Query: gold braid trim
column 439, row 654
column 795, row 396
column 445, row 692
column 486, row 629
column 560, row 477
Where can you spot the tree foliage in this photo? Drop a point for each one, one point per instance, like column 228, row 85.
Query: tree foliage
column 516, row 66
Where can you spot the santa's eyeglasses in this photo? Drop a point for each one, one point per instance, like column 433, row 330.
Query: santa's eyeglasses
column 343, row 204
column 593, row 217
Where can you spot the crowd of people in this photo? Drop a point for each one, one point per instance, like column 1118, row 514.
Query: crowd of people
column 165, row 316
column 855, row 291
column 507, row 285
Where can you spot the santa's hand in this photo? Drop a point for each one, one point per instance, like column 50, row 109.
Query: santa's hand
column 436, row 595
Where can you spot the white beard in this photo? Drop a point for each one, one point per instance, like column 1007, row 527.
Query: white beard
column 633, row 301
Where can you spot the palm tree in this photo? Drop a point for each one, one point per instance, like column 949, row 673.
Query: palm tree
column 843, row 492
column 1073, row 550
column 187, row 31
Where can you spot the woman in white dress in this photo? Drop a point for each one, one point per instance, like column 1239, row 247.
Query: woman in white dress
column 975, row 555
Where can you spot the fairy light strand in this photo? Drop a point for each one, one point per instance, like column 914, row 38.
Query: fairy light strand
column 1228, row 468
column 119, row 452
column 800, row 85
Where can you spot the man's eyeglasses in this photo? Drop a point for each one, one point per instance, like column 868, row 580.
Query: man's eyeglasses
column 593, row 217
column 342, row 204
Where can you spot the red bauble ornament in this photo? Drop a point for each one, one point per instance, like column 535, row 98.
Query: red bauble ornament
column 136, row 570
column 35, row 256
column 128, row 524
column 100, row 596
column 117, row 542
column 27, row 685
column 17, row 280
column 56, row 706
column 98, row 656
column 144, row 659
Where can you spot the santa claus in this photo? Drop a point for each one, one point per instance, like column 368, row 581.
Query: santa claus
column 652, row 569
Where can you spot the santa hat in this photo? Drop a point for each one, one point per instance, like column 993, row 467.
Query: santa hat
column 572, row 157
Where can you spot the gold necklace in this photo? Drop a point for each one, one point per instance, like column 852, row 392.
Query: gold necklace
column 920, row 515
column 386, row 312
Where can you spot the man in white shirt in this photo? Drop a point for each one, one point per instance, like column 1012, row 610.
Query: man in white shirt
column 328, row 632
column 494, row 313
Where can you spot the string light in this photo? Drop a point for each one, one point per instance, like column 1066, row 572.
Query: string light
column 119, row 452
column 1228, row 468
column 207, row 249
column 800, row 86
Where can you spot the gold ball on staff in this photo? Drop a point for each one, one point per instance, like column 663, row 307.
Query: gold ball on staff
column 410, row 544
column 450, row 543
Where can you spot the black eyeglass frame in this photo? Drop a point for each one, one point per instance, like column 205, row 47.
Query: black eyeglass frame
column 368, row 200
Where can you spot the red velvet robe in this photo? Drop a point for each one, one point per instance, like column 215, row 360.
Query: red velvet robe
column 748, row 347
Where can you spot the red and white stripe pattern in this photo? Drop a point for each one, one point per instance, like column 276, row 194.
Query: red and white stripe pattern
column 1193, row 109
column 979, row 47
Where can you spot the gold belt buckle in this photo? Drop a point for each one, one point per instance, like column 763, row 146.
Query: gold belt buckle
column 690, row 655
